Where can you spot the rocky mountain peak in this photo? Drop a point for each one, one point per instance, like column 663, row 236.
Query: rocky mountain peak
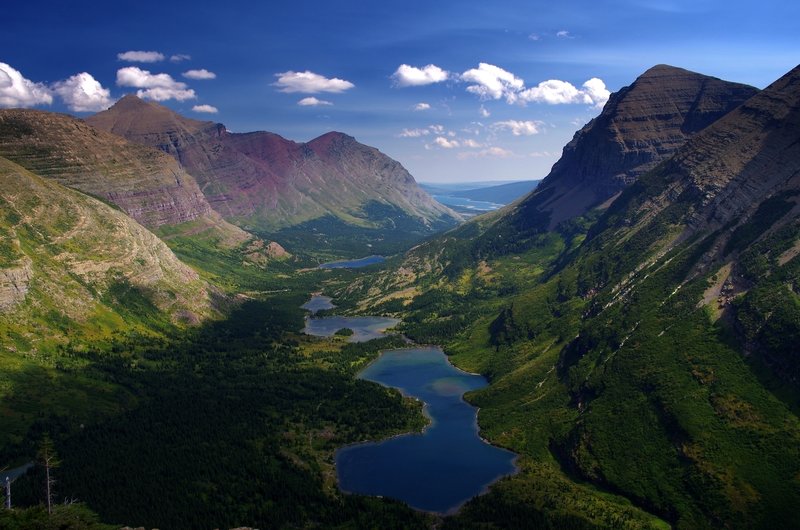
column 131, row 117
column 641, row 125
column 263, row 180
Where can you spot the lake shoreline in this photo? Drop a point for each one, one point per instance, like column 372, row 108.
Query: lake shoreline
column 473, row 455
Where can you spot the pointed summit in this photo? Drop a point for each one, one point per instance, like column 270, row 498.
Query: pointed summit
column 641, row 125
column 134, row 118
column 264, row 181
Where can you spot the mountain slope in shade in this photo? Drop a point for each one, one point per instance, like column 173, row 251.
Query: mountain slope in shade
column 264, row 181
column 72, row 266
column 148, row 185
column 640, row 126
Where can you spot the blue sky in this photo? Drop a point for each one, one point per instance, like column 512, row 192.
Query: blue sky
column 504, row 92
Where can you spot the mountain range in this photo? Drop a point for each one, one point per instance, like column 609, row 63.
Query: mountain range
column 266, row 183
column 637, row 314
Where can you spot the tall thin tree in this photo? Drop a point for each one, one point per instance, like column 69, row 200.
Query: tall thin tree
column 49, row 460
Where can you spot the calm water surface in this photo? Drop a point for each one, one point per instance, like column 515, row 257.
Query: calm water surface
column 478, row 206
column 318, row 302
column 353, row 264
column 364, row 328
column 446, row 465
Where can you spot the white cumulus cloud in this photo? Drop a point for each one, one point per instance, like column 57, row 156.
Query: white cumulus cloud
column 158, row 87
column 83, row 93
column 557, row 92
column 444, row 143
column 310, row 83
column 140, row 57
column 208, row 109
column 564, row 34
column 492, row 82
column 469, row 142
column 313, row 102
column 597, row 92
column 406, row 75
column 422, row 106
column 16, row 91
column 199, row 74
column 519, row 128
column 180, row 57
column 484, row 112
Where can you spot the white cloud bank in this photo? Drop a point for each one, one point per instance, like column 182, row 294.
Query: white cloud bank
column 140, row 57
column 406, row 75
column 208, row 109
column 313, row 102
column 556, row 92
column 158, row 87
column 83, row 93
column 199, row 74
column 16, row 91
column 489, row 81
column 519, row 128
column 310, row 83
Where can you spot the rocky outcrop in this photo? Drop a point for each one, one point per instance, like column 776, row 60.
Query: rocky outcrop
column 641, row 126
column 14, row 284
column 264, row 181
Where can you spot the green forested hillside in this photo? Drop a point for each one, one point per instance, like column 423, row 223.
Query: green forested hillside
column 648, row 351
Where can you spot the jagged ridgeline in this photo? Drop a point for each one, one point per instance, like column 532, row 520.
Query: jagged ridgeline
column 648, row 347
column 331, row 191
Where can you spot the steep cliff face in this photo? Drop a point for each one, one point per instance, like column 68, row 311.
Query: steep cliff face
column 70, row 264
column 640, row 126
column 145, row 183
column 151, row 187
column 264, row 181
column 743, row 169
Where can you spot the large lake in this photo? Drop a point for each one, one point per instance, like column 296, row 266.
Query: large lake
column 469, row 204
column 446, row 465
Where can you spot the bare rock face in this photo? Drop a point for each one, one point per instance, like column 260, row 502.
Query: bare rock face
column 267, row 182
column 150, row 187
column 641, row 126
column 728, row 170
column 14, row 283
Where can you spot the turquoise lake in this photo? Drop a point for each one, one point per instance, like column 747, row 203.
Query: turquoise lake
column 441, row 468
